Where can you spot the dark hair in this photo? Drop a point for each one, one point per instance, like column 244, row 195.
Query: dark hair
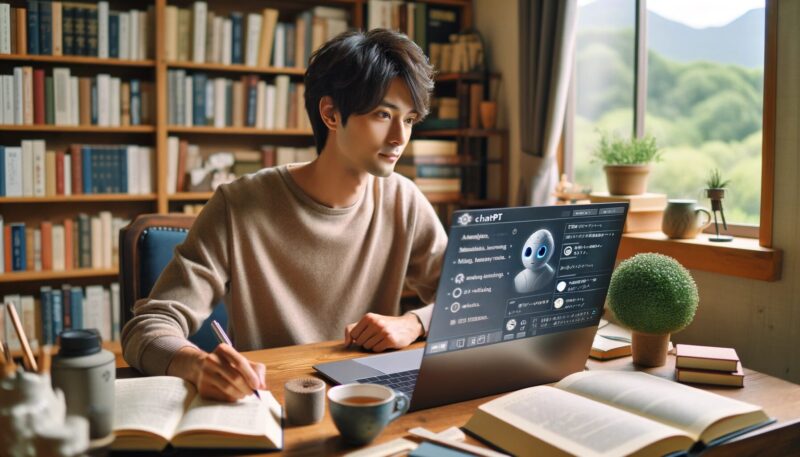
column 356, row 69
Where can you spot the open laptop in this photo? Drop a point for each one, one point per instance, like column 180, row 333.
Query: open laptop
column 519, row 300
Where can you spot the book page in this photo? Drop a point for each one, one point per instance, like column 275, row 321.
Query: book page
column 152, row 404
column 578, row 425
column 248, row 416
column 684, row 407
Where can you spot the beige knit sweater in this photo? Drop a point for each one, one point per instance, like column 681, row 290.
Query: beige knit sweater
column 290, row 270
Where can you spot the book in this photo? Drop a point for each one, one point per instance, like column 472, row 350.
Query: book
column 610, row 342
column 604, row 413
column 706, row 358
column 717, row 378
column 153, row 412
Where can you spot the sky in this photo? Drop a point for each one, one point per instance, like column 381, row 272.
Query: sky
column 712, row 13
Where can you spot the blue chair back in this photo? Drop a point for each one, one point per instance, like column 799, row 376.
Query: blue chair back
column 152, row 250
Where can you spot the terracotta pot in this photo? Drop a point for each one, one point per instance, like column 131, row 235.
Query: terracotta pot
column 488, row 112
column 650, row 350
column 627, row 179
column 716, row 193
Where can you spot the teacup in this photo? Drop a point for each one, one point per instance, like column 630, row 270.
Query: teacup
column 361, row 411
column 682, row 219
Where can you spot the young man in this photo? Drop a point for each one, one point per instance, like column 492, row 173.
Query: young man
column 306, row 252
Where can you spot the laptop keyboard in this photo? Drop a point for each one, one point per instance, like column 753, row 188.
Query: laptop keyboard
column 402, row 381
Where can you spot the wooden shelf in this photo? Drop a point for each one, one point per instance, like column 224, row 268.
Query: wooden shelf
column 742, row 257
column 81, row 198
column 78, row 60
column 475, row 133
column 190, row 196
column 238, row 131
column 43, row 128
column 291, row 71
column 22, row 276
column 447, row 77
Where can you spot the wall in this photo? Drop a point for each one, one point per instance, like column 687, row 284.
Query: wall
column 761, row 320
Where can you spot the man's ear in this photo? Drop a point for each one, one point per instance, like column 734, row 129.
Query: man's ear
column 328, row 112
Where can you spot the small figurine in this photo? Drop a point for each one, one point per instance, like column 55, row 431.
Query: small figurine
column 535, row 254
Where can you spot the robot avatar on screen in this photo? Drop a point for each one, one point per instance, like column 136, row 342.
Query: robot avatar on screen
column 536, row 252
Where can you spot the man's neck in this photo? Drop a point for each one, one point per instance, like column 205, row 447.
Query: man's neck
column 329, row 181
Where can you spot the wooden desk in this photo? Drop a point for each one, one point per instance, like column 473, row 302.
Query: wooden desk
column 780, row 399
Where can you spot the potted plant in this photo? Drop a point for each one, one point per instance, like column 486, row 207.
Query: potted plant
column 654, row 296
column 715, row 191
column 627, row 162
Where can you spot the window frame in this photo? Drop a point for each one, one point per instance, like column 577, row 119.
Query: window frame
column 763, row 231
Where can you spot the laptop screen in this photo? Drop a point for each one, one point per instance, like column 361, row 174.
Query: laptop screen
column 514, row 273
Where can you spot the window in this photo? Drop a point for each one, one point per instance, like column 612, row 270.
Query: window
column 704, row 93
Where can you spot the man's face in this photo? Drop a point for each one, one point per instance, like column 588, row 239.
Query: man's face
column 373, row 142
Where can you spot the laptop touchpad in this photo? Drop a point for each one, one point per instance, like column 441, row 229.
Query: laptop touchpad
column 394, row 362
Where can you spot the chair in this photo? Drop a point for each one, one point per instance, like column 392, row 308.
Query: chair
column 146, row 247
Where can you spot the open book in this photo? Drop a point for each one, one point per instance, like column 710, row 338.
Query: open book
column 605, row 413
column 153, row 412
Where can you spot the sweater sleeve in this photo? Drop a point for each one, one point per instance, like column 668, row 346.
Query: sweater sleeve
column 427, row 254
column 184, row 295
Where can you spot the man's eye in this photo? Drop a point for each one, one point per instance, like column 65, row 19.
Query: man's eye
column 384, row 115
column 411, row 120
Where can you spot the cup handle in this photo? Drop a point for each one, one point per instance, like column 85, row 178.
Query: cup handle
column 708, row 218
column 401, row 404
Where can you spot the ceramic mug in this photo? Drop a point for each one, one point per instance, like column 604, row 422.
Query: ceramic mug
column 682, row 219
column 361, row 411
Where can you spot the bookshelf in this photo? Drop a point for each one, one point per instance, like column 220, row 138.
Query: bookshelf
column 153, row 67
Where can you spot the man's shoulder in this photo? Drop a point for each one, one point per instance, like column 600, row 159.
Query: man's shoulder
column 247, row 186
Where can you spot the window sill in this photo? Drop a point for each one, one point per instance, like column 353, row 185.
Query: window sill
column 743, row 257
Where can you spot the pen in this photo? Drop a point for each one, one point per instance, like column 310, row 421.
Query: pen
column 222, row 337
column 27, row 355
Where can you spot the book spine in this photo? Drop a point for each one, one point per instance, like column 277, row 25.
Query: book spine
column 87, row 172
column 5, row 28
column 84, row 241
column 57, row 16
column 58, row 312
column 49, row 95
column 39, row 97
column 122, row 169
column 236, row 38
column 102, row 30
column 47, row 315
column 66, row 296
column 68, row 30
column 45, row 28
column 252, row 101
column 199, row 16
column 18, row 247
column 113, row 35
column 91, row 32
column 77, row 307
column 199, row 95
column 79, row 30
column 33, row 27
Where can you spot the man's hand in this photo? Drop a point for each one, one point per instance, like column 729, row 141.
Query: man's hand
column 379, row 333
column 223, row 374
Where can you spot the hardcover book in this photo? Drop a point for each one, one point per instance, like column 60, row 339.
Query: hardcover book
column 706, row 358
column 154, row 412
column 605, row 413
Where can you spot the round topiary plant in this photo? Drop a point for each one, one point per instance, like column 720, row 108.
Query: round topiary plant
column 653, row 293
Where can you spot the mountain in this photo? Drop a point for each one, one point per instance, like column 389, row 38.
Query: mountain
column 741, row 42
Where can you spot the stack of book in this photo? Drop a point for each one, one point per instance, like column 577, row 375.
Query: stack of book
column 644, row 211
column 186, row 165
column 67, row 244
column 70, row 307
column 31, row 170
column 78, row 29
column 708, row 365
column 197, row 100
column 257, row 39
column 434, row 165
column 30, row 97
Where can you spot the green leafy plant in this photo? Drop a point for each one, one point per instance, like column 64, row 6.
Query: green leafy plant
column 653, row 293
column 715, row 180
column 614, row 150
